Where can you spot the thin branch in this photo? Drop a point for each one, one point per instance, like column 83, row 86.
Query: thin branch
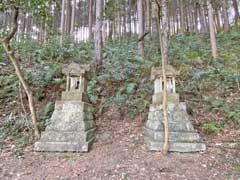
column 21, row 99
column 15, row 61
column 158, row 3
column 143, row 36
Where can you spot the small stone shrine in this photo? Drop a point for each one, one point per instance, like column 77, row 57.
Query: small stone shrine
column 71, row 126
column 182, row 136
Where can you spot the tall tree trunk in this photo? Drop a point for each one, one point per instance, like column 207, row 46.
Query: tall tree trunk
column 217, row 19
column 98, row 36
column 182, row 16
column 62, row 22
column 140, row 28
column 148, row 16
column 90, row 19
column 187, row 19
column 73, row 20
column 125, row 20
column 212, row 31
column 225, row 16
column 68, row 17
column 129, row 18
column 235, row 6
column 196, row 7
column 202, row 19
column 119, row 24
column 205, row 10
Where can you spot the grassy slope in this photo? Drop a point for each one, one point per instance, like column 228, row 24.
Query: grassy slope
column 211, row 89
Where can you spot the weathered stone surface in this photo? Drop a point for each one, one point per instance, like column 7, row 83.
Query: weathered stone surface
column 67, row 136
column 71, row 128
column 63, row 146
column 171, row 107
column 72, row 121
column 74, row 96
column 77, row 106
column 173, row 136
column 169, row 72
column 176, row 113
column 183, row 147
column 172, row 98
column 182, row 136
column 72, row 125
column 157, row 125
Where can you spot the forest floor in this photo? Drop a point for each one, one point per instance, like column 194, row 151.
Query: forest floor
column 119, row 153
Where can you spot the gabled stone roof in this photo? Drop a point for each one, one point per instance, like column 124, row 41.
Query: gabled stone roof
column 75, row 69
column 169, row 71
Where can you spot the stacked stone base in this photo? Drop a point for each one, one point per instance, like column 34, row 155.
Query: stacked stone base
column 71, row 128
column 182, row 136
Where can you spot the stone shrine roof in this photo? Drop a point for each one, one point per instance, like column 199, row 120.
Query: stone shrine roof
column 75, row 69
column 169, row 71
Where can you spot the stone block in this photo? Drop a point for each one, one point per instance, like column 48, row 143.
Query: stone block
column 176, row 113
column 171, row 97
column 173, row 136
column 183, row 147
column 63, row 146
column 182, row 136
column 70, row 121
column 71, row 128
column 171, row 107
column 67, row 136
column 157, row 125
column 74, row 96
column 72, row 125
column 76, row 106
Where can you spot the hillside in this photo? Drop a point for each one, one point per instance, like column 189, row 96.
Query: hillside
column 121, row 94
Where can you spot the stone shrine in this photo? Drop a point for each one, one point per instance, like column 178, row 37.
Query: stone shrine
column 182, row 136
column 71, row 126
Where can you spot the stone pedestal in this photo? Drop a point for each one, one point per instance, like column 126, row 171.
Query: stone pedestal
column 71, row 127
column 182, row 136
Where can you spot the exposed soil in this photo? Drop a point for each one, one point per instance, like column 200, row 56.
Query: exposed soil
column 119, row 153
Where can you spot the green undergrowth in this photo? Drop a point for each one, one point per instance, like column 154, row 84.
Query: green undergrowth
column 212, row 127
column 211, row 84
column 208, row 87
column 124, row 80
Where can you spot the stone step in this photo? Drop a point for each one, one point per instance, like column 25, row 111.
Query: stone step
column 171, row 107
column 71, row 115
column 67, row 136
column 182, row 147
column 173, row 136
column 176, row 116
column 74, row 96
column 171, row 98
column 71, row 121
column 63, row 146
column 173, row 126
column 76, row 106
column 70, row 125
